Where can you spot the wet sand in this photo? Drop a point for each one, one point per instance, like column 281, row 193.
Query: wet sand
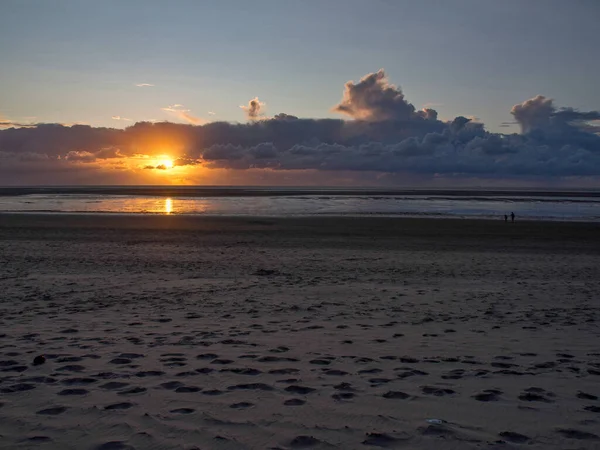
column 170, row 332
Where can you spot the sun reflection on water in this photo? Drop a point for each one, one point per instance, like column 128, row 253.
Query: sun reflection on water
column 168, row 206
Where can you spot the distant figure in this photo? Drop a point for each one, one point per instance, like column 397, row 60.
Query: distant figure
column 505, row 218
column 512, row 216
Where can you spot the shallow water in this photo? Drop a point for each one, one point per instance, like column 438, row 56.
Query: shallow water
column 571, row 208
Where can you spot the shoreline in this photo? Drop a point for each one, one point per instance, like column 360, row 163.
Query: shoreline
column 390, row 216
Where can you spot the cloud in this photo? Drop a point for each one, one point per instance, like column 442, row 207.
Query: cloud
column 539, row 113
column 183, row 114
column 120, row 118
column 387, row 137
column 144, row 85
column 211, row 113
column 185, row 161
column 6, row 123
column 533, row 113
column 254, row 109
column 83, row 156
column 373, row 98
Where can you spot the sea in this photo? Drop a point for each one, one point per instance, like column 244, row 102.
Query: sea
column 293, row 202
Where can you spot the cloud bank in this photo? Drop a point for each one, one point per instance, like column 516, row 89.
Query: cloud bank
column 384, row 135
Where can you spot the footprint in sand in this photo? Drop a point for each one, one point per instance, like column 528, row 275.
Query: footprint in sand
column 252, row 386
column 586, row 396
column 119, row 406
column 133, row 391
column 280, row 349
column 42, row 379
column 19, row 387
column 112, row 385
column 408, row 360
column 571, row 433
column 8, row 363
column 69, row 331
column 170, row 385
column 149, row 373
column 378, row 381
column 131, row 355
column 243, row 371
column 242, row 405
column 515, row 438
column 535, row 394
column 72, row 368
column 343, row 396
column 304, row 442
column 408, row 372
column 221, row 361
column 294, row 402
column 369, row 371
column 276, row 359
column 283, row 371
column 73, row 392
column 380, row 440
column 182, row 411
column 54, row 411
column 37, row 439
column 78, row 381
column 175, row 361
column 320, row 362
column 488, row 395
column 120, row 361
column 114, row 445
column 438, row 392
column 303, row 390
column 396, row 395
column 213, row 392
column 187, row 373
column 66, row 359
column 187, row 389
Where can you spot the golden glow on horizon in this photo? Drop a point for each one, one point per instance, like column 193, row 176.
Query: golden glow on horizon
column 168, row 206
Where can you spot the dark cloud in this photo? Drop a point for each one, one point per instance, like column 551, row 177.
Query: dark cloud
column 388, row 136
column 184, row 161
column 84, row 157
column 284, row 116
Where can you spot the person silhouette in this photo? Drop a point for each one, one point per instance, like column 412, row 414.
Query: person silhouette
column 512, row 216
column 505, row 218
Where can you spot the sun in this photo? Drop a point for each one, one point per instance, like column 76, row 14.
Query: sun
column 168, row 163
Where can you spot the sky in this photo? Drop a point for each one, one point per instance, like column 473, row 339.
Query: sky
column 111, row 64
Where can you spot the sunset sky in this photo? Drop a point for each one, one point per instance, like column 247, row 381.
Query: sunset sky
column 470, row 92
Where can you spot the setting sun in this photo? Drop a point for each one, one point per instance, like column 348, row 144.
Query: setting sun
column 168, row 163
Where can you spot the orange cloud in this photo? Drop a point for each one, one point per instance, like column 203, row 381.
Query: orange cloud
column 184, row 114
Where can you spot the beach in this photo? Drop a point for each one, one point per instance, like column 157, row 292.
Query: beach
column 189, row 332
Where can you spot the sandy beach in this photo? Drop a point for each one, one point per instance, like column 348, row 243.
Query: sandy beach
column 171, row 332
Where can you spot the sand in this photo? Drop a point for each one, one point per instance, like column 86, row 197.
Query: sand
column 174, row 332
